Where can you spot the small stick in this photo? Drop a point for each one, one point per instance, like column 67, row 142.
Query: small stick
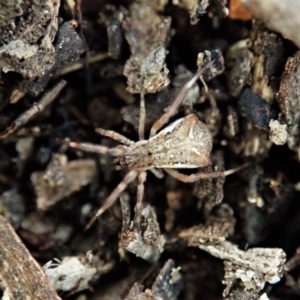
column 35, row 108
column 21, row 276
column 79, row 65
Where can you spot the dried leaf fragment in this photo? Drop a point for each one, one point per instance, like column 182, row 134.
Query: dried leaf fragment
column 61, row 179
column 210, row 193
column 288, row 99
column 9, row 10
column 278, row 132
column 26, row 45
column 73, row 273
column 146, row 33
column 141, row 237
column 269, row 54
column 254, row 267
column 195, row 8
column 217, row 228
column 239, row 60
column 239, row 293
column 113, row 17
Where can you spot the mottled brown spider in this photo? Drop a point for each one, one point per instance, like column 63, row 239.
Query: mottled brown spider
column 186, row 143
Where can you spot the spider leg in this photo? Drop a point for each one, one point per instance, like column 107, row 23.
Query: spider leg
column 142, row 116
column 115, row 136
column 178, row 100
column 201, row 175
column 194, row 177
column 158, row 173
column 204, row 84
column 88, row 147
column 112, row 198
column 140, row 195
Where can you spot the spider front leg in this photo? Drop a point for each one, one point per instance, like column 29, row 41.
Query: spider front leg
column 112, row 198
column 177, row 102
column 115, row 136
column 88, row 147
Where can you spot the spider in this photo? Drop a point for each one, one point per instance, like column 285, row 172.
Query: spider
column 185, row 143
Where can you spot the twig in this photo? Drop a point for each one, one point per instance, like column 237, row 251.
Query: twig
column 21, row 277
column 79, row 65
column 37, row 107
